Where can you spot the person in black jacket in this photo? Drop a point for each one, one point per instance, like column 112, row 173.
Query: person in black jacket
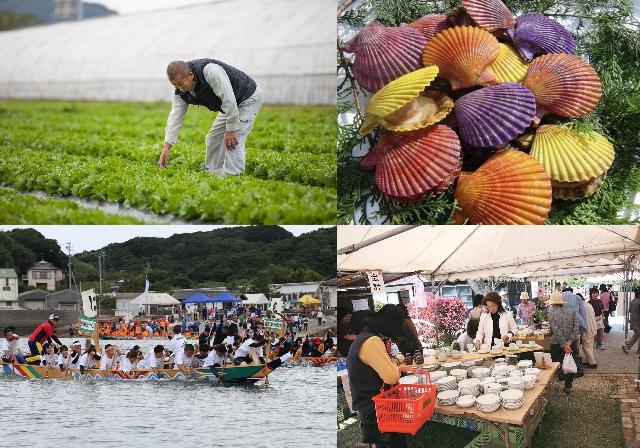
column 220, row 88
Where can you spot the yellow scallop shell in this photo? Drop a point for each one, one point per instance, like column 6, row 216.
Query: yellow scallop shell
column 401, row 93
column 573, row 191
column 509, row 66
column 571, row 157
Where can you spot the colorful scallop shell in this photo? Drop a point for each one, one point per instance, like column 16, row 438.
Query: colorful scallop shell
column 491, row 15
column 402, row 105
column 464, row 55
column 383, row 54
column 571, row 157
column 430, row 25
column 572, row 191
column 509, row 67
column 510, row 188
column 536, row 34
column 494, row 115
column 563, row 85
column 411, row 165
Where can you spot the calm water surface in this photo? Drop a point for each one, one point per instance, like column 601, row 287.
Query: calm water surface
column 297, row 409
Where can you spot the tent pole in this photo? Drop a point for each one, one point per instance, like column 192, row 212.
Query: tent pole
column 391, row 233
column 454, row 250
column 435, row 311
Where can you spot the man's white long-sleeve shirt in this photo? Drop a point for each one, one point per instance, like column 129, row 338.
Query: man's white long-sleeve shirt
column 219, row 82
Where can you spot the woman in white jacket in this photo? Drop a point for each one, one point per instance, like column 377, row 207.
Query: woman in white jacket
column 497, row 323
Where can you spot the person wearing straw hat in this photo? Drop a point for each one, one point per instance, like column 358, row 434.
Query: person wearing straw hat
column 564, row 333
column 370, row 368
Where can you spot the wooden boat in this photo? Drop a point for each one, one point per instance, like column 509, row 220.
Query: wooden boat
column 226, row 374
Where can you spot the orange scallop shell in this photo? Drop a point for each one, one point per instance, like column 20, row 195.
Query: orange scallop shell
column 464, row 55
column 410, row 165
column 563, row 85
column 490, row 14
column 430, row 25
column 509, row 188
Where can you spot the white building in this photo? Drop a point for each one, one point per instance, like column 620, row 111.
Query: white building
column 290, row 292
column 8, row 289
column 287, row 47
column 44, row 275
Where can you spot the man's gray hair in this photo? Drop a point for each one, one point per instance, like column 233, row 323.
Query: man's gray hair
column 178, row 69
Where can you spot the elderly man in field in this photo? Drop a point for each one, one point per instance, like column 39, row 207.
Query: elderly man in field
column 220, row 88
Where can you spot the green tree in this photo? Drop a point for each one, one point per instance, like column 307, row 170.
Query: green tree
column 11, row 20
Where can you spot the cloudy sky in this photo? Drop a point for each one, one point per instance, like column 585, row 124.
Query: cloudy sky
column 94, row 237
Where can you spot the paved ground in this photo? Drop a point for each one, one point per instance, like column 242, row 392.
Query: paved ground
column 612, row 359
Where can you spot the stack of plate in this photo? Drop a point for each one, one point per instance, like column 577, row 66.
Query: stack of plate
column 448, row 366
column 484, row 381
column 447, row 397
column 515, row 383
column 465, row 401
column 499, row 370
column 411, row 379
column 458, row 374
column 483, row 350
column 488, row 403
column 503, row 381
column 435, row 376
column 481, row 372
column 466, row 364
column 512, row 399
column 511, row 368
column 469, row 386
column 525, row 364
column 516, row 373
column 492, row 388
column 447, row 383
column 533, row 371
column 529, row 381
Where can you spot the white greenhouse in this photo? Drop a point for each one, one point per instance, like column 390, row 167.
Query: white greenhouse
column 287, row 46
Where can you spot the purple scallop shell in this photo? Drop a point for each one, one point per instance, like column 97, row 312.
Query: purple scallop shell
column 494, row 115
column 536, row 34
column 383, row 54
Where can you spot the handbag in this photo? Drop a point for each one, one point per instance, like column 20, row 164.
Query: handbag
column 569, row 364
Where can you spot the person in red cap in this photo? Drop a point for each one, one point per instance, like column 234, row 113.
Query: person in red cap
column 44, row 333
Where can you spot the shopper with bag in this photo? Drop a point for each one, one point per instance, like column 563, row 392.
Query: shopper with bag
column 564, row 332
column 370, row 369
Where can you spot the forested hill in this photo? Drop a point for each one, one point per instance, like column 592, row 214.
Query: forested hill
column 244, row 255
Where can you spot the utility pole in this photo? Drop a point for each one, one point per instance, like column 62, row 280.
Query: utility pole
column 68, row 246
column 101, row 257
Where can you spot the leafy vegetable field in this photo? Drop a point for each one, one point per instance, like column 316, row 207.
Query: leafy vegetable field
column 108, row 152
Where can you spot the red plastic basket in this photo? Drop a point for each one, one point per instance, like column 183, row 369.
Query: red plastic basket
column 405, row 407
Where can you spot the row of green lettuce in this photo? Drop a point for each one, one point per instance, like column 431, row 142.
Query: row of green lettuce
column 181, row 192
column 17, row 208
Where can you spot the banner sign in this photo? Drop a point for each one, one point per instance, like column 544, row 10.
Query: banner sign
column 273, row 324
column 376, row 282
column 86, row 324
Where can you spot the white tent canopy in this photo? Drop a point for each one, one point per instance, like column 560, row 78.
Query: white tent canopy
column 155, row 298
column 287, row 47
column 255, row 299
column 468, row 252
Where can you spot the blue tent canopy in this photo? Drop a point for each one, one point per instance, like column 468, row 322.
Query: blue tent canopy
column 225, row 297
column 199, row 298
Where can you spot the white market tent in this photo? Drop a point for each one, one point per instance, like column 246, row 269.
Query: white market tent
column 507, row 252
column 287, row 47
column 155, row 298
column 255, row 299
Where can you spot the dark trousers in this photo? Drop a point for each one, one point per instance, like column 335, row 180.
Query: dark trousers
column 605, row 317
column 33, row 348
column 557, row 355
column 369, row 433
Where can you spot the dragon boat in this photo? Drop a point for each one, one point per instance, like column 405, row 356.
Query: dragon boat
column 226, row 374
